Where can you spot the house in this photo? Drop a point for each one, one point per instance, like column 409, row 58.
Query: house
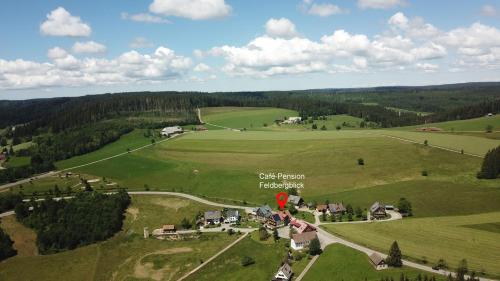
column 263, row 213
column 377, row 210
column 170, row 131
column 336, row 208
column 301, row 240
column 490, row 114
column 284, row 273
column 212, row 217
column 168, row 228
column 275, row 221
column 322, row 208
column 301, row 226
column 285, row 216
column 232, row 216
column 378, row 262
column 292, row 120
column 295, row 200
column 201, row 128
column 389, row 207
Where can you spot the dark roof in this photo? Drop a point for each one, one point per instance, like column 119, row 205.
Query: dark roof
column 376, row 259
column 305, row 236
column 264, row 211
column 210, row 215
column 232, row 213
column 276, row 217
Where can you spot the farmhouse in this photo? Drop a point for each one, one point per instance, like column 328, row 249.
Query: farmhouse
column 301, row 240
column 292, row 120
column 336, row 208
column 301, row 226
column 170, row 131
column 275, row 221
column 284, row 273
column 285, row 216
column 378, row 262
column 263, row 213
column 212, row 217
column 295, row 200
column 232, row 216
column 168, row 228
column 377, row 210
column 322, row 208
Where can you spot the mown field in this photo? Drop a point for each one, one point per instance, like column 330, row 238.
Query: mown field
column 452, row 238
column 126, row 256
column 249, row 118
column 267, row 255
column 476, row 124
column 339, row 262
column 330, row 123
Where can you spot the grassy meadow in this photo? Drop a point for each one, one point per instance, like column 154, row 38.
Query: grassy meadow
column 452, row 238
column 339, row 262
column 250, row 118
column 476, row 124
column 126, row 256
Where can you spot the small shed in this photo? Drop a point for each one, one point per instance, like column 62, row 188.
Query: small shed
column 378, row 262
column 168, row 228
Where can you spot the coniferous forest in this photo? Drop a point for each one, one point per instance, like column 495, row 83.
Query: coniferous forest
column 67, row 224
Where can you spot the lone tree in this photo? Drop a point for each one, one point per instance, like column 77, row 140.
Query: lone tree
column 263, row 235
column 314, row 247
column 462, row 270
column 404, row 207
column 490, row 168
column 489, row 129
column 361, row 161
column 323, row 128
column 394, row 257
column 276, row 235
column 314, row 126
column 6, row 249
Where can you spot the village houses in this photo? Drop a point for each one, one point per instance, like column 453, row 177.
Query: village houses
column 301, row 240
column 212, row 217
column 284, row 273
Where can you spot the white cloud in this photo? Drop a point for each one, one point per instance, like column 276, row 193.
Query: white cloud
column 380, row 4
column 325, row 10
column 191, row 9
column 427, row 67
column 56, row 53
column 89, row 47
column 201, row 67
column 66, row 70
column 475, row 36
column 488, row 11
column 144, row 17
column 413, row 28
column 61, row 23
column 140, row 42
column 282, row 27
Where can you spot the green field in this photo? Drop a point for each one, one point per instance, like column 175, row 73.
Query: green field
column 126, row 256
column 450, row 238
column 250, row 118
column 476, row 124
column 18, row 161
column 339, row 262
column 268, row 256
column 331, row 123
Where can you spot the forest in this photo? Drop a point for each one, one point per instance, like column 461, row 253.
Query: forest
column 66, row 224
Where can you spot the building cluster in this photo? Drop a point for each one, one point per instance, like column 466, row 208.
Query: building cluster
column 292, row 120
column 211, row 218
column 171, row 131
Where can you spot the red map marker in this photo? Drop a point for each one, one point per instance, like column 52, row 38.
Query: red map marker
column 282, row 198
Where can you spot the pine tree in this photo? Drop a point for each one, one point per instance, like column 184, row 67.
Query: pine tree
column 314, row 247
column 490, row 168
column 394, row 258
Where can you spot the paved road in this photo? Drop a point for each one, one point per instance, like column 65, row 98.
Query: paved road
column 191, row 197
column 213, row 257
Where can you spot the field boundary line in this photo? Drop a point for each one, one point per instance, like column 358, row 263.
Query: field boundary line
column 213, row 257
column 434, row 146
column 308, row 266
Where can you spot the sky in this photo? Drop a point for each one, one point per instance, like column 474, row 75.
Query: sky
column 56, row 48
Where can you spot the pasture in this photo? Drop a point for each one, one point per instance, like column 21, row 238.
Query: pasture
column 451, row 238
column 250, row 118
column 127, row 256
column 476, row 124
column 339, row 262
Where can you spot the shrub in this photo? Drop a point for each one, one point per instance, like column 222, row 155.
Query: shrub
column 361, row 161
column 246, row 261
column 425, row 173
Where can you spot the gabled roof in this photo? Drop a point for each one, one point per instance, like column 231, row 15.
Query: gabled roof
column 336, row 207
column 294, row 199
column 304, row 237
column 264, row 211
column 210, row 215
column 284, row 214
column 286, row 270
column 276, row 217
column 168, row 227
column 376, row 259
column 232, row 213
column 302, row 226
column 376, row 206
column 321, row 207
